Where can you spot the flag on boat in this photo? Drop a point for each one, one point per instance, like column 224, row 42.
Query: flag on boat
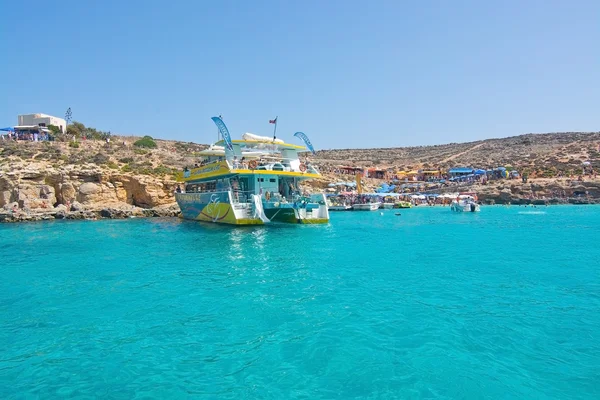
column 224, row 132
column 307, row 142
column 273, row 121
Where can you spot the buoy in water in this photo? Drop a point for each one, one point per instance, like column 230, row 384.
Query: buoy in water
column 381, row 213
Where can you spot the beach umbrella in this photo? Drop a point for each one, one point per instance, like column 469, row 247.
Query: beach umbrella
column 7, row 129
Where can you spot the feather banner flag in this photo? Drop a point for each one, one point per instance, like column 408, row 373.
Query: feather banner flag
column 307, row 142
column 224, row 132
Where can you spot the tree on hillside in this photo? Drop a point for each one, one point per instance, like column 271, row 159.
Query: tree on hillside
column 78, row 130
column 146, row 142
column 54, row 129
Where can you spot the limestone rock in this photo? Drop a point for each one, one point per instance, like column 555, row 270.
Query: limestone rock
column 32, row 174
column 60, row 208
column 67, row 192
column 88, row 188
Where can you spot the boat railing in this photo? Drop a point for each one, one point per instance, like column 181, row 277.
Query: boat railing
column 240, row 196
column 284, row 165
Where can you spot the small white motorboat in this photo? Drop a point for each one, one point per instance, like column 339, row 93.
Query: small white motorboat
column 343, row 207
column 366, row 206
column 465, row 205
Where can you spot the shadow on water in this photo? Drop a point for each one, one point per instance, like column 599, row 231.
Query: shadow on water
column 208, row 227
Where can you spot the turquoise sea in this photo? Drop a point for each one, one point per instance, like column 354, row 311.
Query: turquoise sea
column 429, row 304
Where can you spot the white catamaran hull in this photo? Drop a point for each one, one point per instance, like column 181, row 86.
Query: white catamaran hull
column 225, row 208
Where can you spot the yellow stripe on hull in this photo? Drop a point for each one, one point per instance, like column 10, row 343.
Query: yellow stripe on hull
column 222, row 213
column 313, row 221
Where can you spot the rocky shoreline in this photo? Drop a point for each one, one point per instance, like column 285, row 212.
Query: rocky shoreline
column 40, row 192
column 61, row 213
column 537, row 191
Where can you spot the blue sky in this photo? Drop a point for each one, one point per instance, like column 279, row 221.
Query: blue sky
column 347, row 73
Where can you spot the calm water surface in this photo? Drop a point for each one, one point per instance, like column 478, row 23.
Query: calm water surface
column 429, row 304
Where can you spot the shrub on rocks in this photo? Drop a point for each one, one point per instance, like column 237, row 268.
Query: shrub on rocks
column 145, row 142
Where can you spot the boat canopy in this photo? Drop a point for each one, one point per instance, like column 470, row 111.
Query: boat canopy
column 251, row 137
column 253, row 144
column 460, row 170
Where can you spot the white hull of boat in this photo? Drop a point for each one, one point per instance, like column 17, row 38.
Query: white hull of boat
column 464, row 207
column 366, row 207
column 340, row 208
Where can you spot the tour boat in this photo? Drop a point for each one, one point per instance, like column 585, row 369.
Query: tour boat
column 253, row 181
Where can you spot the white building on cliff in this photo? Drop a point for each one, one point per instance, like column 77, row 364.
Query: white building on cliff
column 43, row 119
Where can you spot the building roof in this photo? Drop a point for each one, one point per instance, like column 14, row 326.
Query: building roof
column 39, row 115
column 461, row 170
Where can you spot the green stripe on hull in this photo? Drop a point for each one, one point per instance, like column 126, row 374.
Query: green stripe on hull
column 281, row 215
column 288, row 216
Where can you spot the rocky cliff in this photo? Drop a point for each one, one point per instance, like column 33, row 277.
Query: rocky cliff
column 39, row 187
column 33, row 183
